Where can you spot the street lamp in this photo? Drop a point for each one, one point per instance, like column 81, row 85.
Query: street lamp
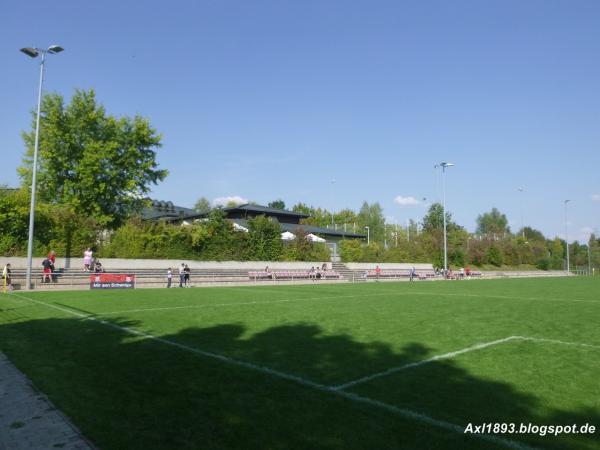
column 368, row 237
column 332, row 209
column 34, row 52
column 444, row 165
column 567, row 237
column 522, row 222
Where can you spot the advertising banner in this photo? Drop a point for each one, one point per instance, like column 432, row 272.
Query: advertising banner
column 112, row 281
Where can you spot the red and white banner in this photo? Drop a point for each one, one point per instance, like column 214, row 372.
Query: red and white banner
column 112, row 281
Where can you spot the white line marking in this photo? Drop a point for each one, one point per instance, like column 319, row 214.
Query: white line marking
column 556, row 341
column 504, row 297
column 405, row 413
column 423, row 362
column 258, row 302
column 456, row 353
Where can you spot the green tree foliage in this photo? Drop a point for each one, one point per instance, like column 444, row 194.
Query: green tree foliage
column 350, row 250
column 264, row 239
column 532, row 234
column 216, row 239
column 345, row 216
column 494, row 256
column 302, row 208
column 100, row 165
column 202, row 206
column 302, row 249
column 434, row 219
column 371, row 215
column 557, row 254
column 277, row 204
column 56, row 227
column 492, row 223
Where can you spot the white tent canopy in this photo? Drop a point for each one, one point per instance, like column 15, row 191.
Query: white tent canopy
column 238, row 227
column 314, row 238
column 287, row 236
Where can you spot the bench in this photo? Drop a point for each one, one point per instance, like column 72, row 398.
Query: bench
column 292, row 275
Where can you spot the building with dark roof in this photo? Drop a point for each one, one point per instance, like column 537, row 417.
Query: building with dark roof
column 165, row 211
column 288, row 220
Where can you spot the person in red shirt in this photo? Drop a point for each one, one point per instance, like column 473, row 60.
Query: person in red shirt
column 377, row 273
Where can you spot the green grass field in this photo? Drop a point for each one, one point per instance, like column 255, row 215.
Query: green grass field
column 336, row 366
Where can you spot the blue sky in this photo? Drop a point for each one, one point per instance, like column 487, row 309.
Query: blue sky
column 273, row 99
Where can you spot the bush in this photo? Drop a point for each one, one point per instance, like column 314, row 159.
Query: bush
column 494, row 256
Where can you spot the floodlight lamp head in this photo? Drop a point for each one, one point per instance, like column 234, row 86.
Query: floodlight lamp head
column 30, row 51
column 55, row 49
column 446, row 164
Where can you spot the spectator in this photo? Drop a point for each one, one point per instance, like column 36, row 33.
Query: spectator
column 468, row 271
column 52, row 258
column 169, row 277
column 87, row 260
column 318, row 274
column 312, row 273
column 181, row 274
column 6, row 277
column 411, row 273
column 324, row 267
column 462, row 273
column 47, row 265
column 98, row 267
column 377, row 273
column 186, row 276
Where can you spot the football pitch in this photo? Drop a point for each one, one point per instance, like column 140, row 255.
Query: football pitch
column 331, row 366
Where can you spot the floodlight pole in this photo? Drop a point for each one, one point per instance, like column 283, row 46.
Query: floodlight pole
column 444, row 165
column 567, row 237
column 368, row 235
column 522, row 222
column 33, row 53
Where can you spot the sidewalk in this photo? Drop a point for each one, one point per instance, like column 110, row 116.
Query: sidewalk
column 28, row 421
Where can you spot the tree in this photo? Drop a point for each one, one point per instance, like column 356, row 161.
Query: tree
column 277, row 204
column 532, row 234
column 264, row 238
column 492, row 223
column 350, row 250
column 434, row 219
column 371, row 216
column 557, row 254
column 202, row 206
column 494, row 256
column 98, row 164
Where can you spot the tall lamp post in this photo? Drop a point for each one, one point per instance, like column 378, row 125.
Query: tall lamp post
column 567, row 237
column 368, row 237
column 332, row 209
column 444, row 165
column 34, row 52
column 522, row 222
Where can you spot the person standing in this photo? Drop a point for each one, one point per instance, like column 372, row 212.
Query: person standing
column 412, row 273
column 181, row 274
column 169, row 277
column 87, row 260
column 47, row 265
column 186, row 276
column 377, row 273
column 6, row 278
column 52, row 258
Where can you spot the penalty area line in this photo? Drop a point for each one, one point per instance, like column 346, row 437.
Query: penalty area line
column 402, row 412
column 412, row 365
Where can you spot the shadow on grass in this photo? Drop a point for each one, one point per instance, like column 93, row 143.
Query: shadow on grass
column 129, row 392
